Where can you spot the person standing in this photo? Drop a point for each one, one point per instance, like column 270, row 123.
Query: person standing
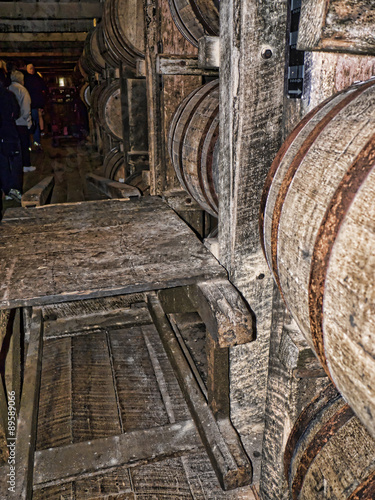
column 37, row 89
column 11, row 173
column 24, row 122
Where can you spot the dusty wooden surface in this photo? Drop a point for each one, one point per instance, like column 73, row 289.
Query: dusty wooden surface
column 39, row 193
column 113, row 247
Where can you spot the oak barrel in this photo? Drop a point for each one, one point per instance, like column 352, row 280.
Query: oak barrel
column 114, row 165
column 123, row 24
column 106, row 105
column 318, row 230
column 94, row 60
column 85, row 94
column 329, row 453
column 193, row 145
column 111, row 58
column 196, row 18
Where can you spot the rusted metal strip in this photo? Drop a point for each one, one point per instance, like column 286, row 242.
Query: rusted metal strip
column 321, row 438
column 328, row 395
column 329, row 228
column 295, row 164
column 366, row 490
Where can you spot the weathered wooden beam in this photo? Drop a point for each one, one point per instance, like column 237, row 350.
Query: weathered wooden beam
column 340, row 26
column 43, row 53
column 87, row 322
column 43, row 37
column 226, row 315
column 232, row 466
column 181, row 65
column 228, row 318
column 50, row 10
column 56, row 464
column 45, row 25
column 38, row 194
column 252, row 67
column 27, row 418
column 209, row 52
column 112, row 188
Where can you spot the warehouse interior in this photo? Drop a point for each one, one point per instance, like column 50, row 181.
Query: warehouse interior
column 187, row 283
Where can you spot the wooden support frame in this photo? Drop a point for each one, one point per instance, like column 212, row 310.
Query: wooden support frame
column 182, row 65
column 27, row 418
column 113, row 189
column 231, row 464
column 65, row 462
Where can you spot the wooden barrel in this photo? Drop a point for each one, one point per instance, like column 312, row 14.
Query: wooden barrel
column 111, row 58
column 106, row 105
column 196, row 18
column 85, row 94
column 114, row 165
column 193, row 145
column 318, row 230
column 93, row 57
column 123, row 23
column 83, row 66
column 329, row 453
column 114, row 168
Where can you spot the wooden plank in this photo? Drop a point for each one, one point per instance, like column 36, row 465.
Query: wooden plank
column 165, row 479
column 43, row 37
column 55, row 402
column 45, row 25
column 112, row 188
column 96, row 321
column 114, row 247
column 140, row 402
column 232, row 469
column 27, row 418
column 251, row 115
column 181, row 65
column 127, row 449
column 38, row 194
column 94, row 402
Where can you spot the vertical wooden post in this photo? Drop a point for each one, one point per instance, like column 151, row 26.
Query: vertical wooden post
column 27, row 418
column 252, row 66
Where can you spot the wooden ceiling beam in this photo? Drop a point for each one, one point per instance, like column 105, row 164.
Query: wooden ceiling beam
column 50, row 10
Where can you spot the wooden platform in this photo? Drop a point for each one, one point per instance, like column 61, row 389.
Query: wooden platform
column 70, row 251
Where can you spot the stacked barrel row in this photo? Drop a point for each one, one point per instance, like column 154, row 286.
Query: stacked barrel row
column 317, row 228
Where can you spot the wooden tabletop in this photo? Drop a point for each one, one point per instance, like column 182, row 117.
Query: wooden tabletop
column 71, row 251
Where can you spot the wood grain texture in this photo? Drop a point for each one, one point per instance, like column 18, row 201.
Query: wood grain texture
column 54, row 413
column 251, row 114
column 99, row 233
column 338, row 25
column 94, row 403
column 38, row 194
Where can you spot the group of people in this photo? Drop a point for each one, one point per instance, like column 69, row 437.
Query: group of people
column 22, row 98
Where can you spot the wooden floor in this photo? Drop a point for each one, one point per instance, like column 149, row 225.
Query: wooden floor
column 109, row 380
column 112, row 422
